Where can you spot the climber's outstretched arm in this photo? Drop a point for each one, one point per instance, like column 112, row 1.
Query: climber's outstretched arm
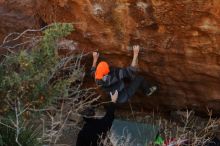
column 95, row 59
column 135, row 56
column 128, row 72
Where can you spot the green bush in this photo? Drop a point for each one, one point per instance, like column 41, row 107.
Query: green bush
column 27, row 137
column 27, row 74
column 28, row 79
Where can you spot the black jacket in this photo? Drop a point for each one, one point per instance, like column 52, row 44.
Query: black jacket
column 94, row 128
column 114, row 80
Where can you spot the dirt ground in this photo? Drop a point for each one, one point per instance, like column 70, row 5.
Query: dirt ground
column 70, row 132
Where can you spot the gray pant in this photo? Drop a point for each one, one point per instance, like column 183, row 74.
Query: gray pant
column 137, row 83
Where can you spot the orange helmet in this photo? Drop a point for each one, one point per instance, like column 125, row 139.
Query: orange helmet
column 101, row 70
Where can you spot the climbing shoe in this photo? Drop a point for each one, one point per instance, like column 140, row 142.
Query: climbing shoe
column 151, row 90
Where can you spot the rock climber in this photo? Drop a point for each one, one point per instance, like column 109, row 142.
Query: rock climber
column 111, row 79
column 94, row 128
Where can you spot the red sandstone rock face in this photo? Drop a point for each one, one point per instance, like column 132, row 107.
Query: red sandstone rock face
column 180, row 41
column 16, row 16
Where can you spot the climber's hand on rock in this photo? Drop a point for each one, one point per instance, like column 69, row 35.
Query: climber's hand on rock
column 95, row 55
column 114, row 96
column 136, row 49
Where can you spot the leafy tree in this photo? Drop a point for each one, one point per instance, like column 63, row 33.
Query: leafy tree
column 29, row 78
column 28, row 74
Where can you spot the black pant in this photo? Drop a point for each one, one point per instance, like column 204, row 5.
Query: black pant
column 137, row 83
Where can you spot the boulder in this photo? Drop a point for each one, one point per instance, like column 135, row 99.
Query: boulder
column 179, row 39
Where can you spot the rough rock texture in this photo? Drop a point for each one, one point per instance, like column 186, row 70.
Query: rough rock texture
column 16, row 16
column 180, row 40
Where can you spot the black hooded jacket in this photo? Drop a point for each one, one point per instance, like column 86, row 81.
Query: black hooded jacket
column 115, row 79
column 94, row 128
